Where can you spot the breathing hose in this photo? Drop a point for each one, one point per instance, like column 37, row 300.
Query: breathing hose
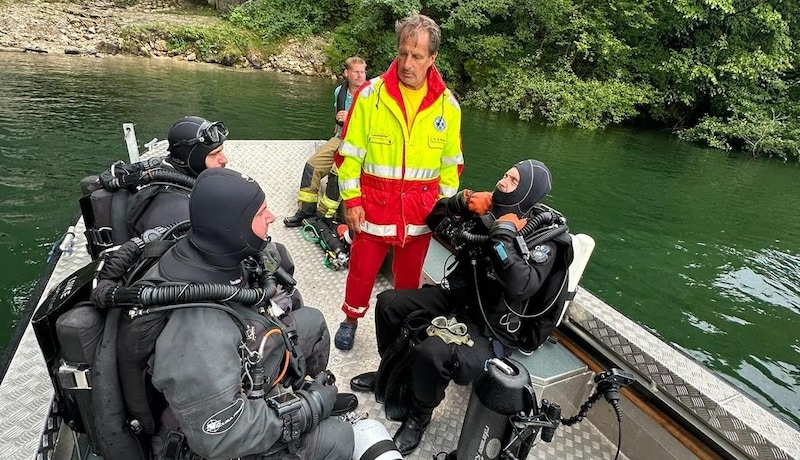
column 147, row 296
column 533, row 225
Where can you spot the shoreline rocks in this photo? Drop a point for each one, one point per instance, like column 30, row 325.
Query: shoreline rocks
column 92, row 28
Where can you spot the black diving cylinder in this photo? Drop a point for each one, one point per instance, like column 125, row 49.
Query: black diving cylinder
column 329, row 237
column 503, row 390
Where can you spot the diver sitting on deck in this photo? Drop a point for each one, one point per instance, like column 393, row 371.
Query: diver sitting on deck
column 156, row 192
column 505, row 294
column 217, row 365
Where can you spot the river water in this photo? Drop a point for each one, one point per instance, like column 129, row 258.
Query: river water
column 699, row 246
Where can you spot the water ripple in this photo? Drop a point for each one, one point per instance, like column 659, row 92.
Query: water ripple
column 768, row 275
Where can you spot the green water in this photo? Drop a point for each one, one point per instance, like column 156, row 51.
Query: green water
column 699, row 246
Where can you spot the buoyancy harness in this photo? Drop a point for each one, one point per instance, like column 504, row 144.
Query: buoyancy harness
column 527, row 326
column 112, row 201
column 79, row 340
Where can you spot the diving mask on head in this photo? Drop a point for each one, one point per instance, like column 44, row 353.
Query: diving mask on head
column 209, row 133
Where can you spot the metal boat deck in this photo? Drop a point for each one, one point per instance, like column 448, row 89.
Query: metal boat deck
column 720, row 410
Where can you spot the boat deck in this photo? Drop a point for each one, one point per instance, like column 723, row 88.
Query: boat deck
column 25, row 392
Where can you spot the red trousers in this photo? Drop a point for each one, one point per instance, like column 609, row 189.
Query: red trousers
column 366, row 257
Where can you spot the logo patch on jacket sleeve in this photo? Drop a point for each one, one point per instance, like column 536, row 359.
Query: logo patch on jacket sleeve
column 540, row 254
column 439, row 124
column 224, row 420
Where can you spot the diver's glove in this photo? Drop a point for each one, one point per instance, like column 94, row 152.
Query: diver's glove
column 318, row 399
column 478, row 202
column 120, row 175
column 110, row 271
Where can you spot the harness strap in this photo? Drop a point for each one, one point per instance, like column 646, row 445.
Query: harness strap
column 119, row 212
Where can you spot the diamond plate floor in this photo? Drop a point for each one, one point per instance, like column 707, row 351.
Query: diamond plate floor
column 25, row 392
column 323, row 288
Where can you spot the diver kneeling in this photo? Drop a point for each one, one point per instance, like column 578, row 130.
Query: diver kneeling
column 217, row 369
column 505, row 294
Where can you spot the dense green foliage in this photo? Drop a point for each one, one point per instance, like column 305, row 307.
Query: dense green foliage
column 222, row 43
column 723, row 72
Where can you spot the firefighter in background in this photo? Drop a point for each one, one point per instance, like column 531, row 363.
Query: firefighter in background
column 321, row 163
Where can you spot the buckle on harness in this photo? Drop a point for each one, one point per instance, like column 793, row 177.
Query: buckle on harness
column 173, row 445
column 101, row 237
column 75, row 376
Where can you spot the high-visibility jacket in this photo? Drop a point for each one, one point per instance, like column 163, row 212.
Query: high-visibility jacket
column 398, row 174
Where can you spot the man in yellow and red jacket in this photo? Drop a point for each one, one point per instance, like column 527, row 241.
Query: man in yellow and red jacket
column 400, row 153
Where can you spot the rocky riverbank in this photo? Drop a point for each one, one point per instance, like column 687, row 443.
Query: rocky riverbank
column 94, row 28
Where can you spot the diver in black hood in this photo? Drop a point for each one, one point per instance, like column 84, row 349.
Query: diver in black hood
column 219, row 241
column 205, row 368
column 154, row 192
column 505, row 294
column 195, row 144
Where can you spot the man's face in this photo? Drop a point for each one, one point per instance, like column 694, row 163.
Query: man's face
column 216, row 159
column 261, row 221
column 414, row 60
column 356, row 76
column 509, row 182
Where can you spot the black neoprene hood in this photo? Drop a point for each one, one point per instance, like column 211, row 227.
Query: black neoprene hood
column 534, row 184
column 221, row 209
column 189, row 158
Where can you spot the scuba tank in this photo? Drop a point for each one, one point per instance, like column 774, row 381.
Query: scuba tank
column 73, row 336
column 335, row 241
column 106, row 202
column 499, row 396
column 372, row 441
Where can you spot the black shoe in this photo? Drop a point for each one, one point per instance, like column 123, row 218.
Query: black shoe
column 364, row 383
column 297, row 219
column 410, row 433
column 345, row 402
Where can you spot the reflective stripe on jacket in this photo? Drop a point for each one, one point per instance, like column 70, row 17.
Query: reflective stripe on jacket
column 397, row 175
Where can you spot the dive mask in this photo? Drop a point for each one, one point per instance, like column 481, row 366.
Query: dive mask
column 209, row 133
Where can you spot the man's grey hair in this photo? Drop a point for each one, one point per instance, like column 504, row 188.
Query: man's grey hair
column 410, row 27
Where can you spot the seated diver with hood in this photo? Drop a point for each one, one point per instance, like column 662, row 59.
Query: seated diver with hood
column 195, row 144
column 154, row 192
column 505, row 294
column 207, row 369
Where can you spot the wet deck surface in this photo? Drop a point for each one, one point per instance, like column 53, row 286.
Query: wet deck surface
column 25, row 393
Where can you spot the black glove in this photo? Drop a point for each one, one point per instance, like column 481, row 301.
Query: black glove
column 456, row 204
column 99, row 293
column 317, row 401
column 120, row 175
column 120, row 261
